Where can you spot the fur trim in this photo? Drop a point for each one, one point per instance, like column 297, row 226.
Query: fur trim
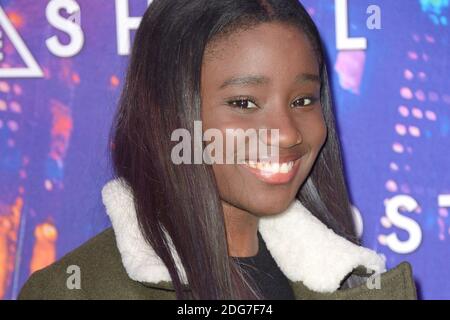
column 306, row 250
column 303, row 247
column 138, row 257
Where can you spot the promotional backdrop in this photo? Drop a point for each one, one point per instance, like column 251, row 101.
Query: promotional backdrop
column 62, row 64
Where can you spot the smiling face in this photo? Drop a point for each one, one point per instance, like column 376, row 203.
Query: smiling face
column 266, row 77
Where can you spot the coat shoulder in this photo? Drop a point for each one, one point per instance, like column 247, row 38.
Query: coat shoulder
column 394, row 284
column 97, row 264
column 51, row 282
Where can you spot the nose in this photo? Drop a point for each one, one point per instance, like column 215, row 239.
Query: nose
column 289, row 134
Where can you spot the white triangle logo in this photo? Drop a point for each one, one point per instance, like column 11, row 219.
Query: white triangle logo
column 32, row 69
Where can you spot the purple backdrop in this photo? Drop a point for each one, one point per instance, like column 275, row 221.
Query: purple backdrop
column 62, row 64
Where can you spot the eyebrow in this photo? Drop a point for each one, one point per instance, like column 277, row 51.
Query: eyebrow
column 260, row 80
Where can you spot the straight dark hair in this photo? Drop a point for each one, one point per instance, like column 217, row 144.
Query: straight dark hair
column 179, row 205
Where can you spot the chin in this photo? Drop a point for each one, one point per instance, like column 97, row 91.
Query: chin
column 270, row 208
column 266, row 205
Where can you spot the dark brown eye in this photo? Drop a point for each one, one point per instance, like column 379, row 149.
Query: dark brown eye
column 303, row 102
column 242, row 104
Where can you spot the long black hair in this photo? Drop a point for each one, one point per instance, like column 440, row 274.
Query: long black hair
column 180, row 205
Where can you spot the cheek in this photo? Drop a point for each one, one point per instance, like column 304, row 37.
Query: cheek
column 313, row 129
column 320, row 133
column 224, row 179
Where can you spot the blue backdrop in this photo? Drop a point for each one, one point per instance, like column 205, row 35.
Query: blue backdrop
column 62, row 64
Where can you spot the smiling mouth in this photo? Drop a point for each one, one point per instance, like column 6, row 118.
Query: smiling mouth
column 273, row 172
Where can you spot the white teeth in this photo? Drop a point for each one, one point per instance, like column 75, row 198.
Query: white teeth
column 269, row 167
column 290, row 165
column 275, row 167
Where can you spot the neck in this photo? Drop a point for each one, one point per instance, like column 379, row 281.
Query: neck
column 241, row 229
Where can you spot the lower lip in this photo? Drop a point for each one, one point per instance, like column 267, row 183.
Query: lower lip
column 275, row 178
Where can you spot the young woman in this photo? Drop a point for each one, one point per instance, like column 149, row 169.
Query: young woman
column 252, row 230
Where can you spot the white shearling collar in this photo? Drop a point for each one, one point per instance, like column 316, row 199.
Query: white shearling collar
column 303, row 247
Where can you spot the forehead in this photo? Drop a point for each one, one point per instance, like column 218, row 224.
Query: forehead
column 272, row 49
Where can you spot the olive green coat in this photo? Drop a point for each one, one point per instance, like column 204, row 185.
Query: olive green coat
column 119, row 264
